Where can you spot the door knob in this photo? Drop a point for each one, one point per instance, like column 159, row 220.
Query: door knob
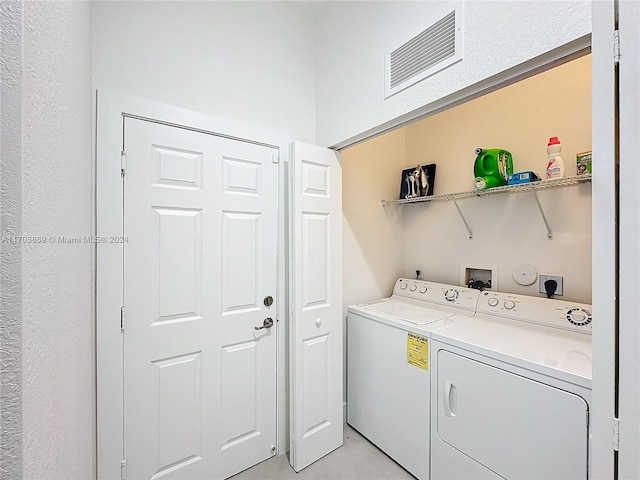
column 268, row 323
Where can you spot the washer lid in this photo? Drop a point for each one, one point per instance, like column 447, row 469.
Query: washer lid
column 408, row 312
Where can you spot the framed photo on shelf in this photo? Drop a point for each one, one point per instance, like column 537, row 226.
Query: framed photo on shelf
column 417, row 182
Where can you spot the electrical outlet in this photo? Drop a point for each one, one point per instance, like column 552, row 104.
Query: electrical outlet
column 557, row 278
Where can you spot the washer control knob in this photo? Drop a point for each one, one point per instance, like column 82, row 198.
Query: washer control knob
column 423, row 289
column 493, row 302
column 579, row 316
column 413, row 287
column 509, row 304
column 451, row 295
column 403, row 286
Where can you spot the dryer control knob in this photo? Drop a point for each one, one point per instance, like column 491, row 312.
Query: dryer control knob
column 509, row 304
column 403, row 286
column 579, row 316
column 413, row 287
column 450, row 295
column 493, row 302
column 423, row 289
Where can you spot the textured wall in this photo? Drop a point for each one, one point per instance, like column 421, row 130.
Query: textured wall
column 56, row 195
column 353, row 36
column 10, row 253
column 252, row 62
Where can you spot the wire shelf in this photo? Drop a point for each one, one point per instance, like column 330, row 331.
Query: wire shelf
column 524, row 187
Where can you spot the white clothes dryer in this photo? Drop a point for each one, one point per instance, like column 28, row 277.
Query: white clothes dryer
column 511, row 391
column 388, row 370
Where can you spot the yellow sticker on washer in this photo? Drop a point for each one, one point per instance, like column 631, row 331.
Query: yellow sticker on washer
column 418, row 350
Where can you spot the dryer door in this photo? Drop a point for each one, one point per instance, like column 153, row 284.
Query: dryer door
column 515, row 426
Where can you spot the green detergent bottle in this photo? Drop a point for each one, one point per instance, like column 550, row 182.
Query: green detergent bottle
column 492, row 167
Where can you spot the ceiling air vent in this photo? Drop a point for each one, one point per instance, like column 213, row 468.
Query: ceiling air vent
column 434, row 48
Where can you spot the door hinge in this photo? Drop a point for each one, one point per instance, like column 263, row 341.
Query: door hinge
column 616, row 434
column 122, row 318
column 616, row 47
column 123, row 163
column 275, row 157
column 123, row 469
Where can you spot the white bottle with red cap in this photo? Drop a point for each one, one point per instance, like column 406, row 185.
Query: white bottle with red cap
column 555, row 164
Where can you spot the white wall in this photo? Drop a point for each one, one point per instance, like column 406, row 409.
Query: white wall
column 11, row 46
column 353, row 36
column 56, row 279
column 507, row 229
column 247, row 61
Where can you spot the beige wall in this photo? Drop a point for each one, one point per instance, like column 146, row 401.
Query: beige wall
column 519, row 118
column 508, row 229
column 372, row 235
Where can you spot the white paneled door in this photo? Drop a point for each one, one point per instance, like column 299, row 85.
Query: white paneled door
column 200, row 220
column 316, row 272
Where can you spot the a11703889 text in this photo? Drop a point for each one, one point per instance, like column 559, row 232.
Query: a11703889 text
column 61, row 239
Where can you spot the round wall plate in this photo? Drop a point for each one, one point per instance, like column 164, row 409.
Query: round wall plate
column 525, row 274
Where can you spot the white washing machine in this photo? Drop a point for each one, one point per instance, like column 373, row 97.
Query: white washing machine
column 388, row 371
column 511, row 391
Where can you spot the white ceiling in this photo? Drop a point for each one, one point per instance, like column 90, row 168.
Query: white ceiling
column 309, row 8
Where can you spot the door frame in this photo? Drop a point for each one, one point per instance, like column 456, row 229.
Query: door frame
column 111, row 109
column 604, row 241
column 628, row 332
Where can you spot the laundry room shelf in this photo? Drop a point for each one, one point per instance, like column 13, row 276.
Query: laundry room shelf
column 525, row 187
column 532, row 187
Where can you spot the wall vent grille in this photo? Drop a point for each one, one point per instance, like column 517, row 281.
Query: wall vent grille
column 433, row 49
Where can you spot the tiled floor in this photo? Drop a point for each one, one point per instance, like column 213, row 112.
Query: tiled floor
column 357, row 459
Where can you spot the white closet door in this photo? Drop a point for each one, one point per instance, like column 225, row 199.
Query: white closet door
column 316, row 320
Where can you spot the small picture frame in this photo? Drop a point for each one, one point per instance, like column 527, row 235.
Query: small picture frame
column 417, row 182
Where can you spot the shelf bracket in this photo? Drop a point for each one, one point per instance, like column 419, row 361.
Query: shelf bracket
column 464, row 220
column 544, row 217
